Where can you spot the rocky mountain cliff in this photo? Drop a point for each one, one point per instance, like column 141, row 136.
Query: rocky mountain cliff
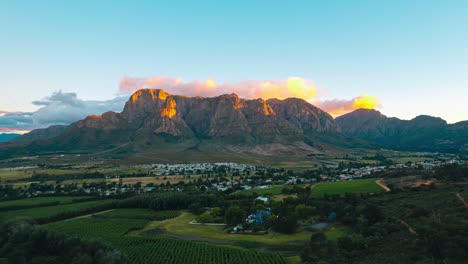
column 154, row 122
column 227, row 116
column 153, row 118
column 423, row 133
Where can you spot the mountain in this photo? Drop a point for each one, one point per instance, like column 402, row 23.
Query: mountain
column 423, row 133
column 43, row 133
column 156, row 122
column 4, row 137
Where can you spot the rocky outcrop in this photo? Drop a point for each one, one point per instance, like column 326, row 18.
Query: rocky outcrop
column 223, row 116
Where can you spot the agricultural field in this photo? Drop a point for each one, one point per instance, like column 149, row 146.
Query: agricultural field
column 144, row 249
column 8, row 175
column 40, row 201
column 342, row 187
column 51, row 211
column 138, row 213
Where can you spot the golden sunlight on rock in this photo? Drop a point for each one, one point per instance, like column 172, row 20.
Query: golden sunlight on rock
column 170, row 109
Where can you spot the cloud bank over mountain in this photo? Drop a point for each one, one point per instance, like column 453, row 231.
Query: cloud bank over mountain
column 251, row 89
column 58, row 109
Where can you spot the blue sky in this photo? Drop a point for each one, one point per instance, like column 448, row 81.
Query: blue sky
column 411, row 55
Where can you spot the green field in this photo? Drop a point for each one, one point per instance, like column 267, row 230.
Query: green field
column 8, row 175
column 38, row 201
column 50, row 211
column 143, row 249
column 342, row 187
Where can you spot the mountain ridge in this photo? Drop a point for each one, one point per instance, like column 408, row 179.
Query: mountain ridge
column 153, row 118
column 422, row 133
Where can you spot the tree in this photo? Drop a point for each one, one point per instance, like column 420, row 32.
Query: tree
column 286, row 223
column 234, row 215
column 205, row 218
column 304, row 211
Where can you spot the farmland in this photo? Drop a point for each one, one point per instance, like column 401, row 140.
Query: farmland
column 40, row 201
column 139, row 213
column 342, row 187
column 143, row 249
column 45, row 212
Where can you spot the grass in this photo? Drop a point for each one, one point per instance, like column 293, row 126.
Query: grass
column 50, row 211
column 8, row 175
column 38, row 201
column 294, row 260
column 181, row 226
column 342, row 187
column 334, row 233
column 144, row 249
column 281, row 197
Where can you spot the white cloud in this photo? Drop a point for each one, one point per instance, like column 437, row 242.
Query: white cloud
column 58, row 109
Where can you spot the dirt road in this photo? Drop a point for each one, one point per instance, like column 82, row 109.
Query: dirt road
column 381, row 184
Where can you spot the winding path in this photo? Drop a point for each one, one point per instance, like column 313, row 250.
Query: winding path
column 410, row 229
column 460, row 197
column 381, row 184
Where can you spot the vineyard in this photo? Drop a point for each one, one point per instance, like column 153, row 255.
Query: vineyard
column 139, row 213
column 46, row 212
column 119, row 232
column 40, row 201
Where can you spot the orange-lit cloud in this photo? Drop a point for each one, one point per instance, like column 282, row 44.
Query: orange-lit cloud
column 12, row 130
column 252, row 89
column 337, row 107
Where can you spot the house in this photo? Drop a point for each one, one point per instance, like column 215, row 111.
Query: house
column 259, row 218
column 238, row 228
column 263, row 199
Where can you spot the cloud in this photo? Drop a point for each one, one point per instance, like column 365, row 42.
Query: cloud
column 337, row 107
column 15, row 121
column 58, row 109
column 251, row 89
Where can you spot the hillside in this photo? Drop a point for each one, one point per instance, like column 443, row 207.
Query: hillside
column 422, row 133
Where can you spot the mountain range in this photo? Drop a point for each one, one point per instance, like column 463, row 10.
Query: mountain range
column 422, row 133
column 157, row 124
